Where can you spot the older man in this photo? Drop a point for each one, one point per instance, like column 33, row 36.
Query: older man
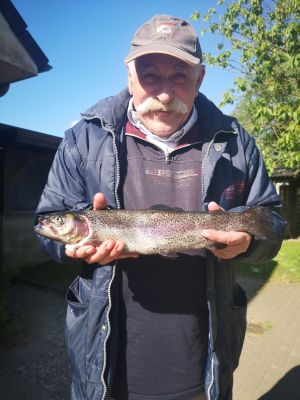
column 153, row 327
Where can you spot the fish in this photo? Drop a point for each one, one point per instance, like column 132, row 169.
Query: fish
column 152, row 231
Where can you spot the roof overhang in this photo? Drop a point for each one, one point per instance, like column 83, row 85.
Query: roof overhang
column 20, row 55
column 286, row 175
column 14, row 136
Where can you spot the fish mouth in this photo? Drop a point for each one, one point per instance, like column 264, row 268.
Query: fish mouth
column 37, row 228
column 42, row 228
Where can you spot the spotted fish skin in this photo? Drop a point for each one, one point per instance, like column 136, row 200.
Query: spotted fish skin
column 152, row 231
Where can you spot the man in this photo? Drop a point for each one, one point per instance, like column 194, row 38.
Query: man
column 153, row 327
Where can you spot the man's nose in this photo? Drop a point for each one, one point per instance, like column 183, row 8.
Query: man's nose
column 165, row 92
column 165, row 97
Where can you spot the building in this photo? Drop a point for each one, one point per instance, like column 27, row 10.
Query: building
column 25, row 156
column 287, row 182
column 25, row 160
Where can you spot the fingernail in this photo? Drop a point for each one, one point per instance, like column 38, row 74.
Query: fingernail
column 90, row 250
column 109, row 245
column 120, row 247
column 206, row 234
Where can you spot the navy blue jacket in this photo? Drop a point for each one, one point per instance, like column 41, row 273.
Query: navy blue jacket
column 91, row 159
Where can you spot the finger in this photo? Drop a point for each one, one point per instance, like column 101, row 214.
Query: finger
column 81, row 252
column 102, row 253
column 118, row 249
column 129, row 255
column 114, row 251
column 233, row 250
column 71, row 254
column 217, row 236
column 213, row 206
column 222, row 254
column 229, row 253
column 99, row 202
column 228, row 238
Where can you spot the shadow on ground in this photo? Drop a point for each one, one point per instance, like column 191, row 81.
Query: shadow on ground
column 252, row 285
column 288, row 384
column 33, row 362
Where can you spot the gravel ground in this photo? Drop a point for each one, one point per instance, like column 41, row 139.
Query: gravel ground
column 33, row 364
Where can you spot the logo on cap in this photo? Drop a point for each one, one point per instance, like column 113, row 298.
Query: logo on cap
column 166, row 29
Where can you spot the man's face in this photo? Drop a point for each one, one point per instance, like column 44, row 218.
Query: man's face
column 169, row 85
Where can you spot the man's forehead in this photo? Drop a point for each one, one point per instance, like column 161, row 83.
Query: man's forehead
column 155, row 60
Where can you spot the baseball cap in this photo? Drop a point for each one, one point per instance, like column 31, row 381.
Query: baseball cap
column 167, row 35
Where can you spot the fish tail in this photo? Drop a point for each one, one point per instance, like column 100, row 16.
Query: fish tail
column 261, row 223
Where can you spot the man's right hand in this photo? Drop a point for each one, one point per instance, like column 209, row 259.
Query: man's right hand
column 108, row 251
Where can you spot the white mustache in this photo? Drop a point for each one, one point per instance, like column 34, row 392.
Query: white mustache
column 151, row 105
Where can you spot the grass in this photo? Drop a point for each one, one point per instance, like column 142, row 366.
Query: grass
column 259, row 328
column 285, row 266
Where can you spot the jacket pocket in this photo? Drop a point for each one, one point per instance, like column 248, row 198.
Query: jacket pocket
column 76, row 324
column 239, row 301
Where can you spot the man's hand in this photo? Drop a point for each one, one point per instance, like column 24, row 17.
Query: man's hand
column 236, row 242
column 108, row 251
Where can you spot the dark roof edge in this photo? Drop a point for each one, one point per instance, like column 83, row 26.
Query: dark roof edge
column 14, row 135
column 19, row 28
column 291, row 173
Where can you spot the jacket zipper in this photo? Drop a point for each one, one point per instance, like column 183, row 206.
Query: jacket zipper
column 118, row 178
column 202, row 190
column 104, row 396
column 203, row 164
column 206, row 157
column 212, row 379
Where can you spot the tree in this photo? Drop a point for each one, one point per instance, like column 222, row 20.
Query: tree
column 262, row 45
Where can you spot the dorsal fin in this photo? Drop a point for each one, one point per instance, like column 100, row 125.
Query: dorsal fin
column 163, row 207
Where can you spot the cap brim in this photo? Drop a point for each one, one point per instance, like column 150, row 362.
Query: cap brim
column 162, row 49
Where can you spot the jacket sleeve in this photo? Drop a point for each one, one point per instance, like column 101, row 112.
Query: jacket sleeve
column 261, row 192
column 64, row 190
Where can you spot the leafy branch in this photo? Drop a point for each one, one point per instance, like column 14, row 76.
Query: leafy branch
column 261, row 44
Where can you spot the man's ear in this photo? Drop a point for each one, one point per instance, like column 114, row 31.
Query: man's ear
column 200, row 77
column 129, row 77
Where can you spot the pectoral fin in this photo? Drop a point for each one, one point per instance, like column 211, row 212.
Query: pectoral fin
column 168, row 255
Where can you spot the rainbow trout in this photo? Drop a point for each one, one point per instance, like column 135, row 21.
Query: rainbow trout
column 151, row 231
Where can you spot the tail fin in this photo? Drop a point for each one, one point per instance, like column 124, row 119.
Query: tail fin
column 261, row 221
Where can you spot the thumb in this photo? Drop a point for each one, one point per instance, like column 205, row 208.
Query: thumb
column 213, row 206
column 99, row 201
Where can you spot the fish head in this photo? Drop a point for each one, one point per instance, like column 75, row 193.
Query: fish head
column 65, row 227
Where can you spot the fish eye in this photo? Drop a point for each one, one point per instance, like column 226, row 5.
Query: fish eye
column 58, row 220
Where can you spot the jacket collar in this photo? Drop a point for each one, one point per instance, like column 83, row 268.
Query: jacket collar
column 212, row 120
column 112, row 112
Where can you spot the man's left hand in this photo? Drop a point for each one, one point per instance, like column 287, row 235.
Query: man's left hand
column 236, row 242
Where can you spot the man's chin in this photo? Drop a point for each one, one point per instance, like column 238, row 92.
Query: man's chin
column 160, row 128
column 162, row 123
column 163, row 117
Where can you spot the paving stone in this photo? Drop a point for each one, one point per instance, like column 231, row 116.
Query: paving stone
column 35, row 366
column 276, row 350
